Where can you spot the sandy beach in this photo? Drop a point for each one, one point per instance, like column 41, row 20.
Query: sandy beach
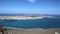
column 33, row 31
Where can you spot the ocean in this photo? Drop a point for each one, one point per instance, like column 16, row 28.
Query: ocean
column 45, row 23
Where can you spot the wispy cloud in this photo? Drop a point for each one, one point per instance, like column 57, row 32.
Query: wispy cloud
column 32, row 1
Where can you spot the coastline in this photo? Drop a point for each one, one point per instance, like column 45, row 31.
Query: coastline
column 24, row 17
column 29, row 29
column 19, row 17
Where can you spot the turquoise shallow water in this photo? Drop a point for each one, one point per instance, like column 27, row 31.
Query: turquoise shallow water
column 37, row 23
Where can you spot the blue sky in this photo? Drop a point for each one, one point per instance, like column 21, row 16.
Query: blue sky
column 30, row 6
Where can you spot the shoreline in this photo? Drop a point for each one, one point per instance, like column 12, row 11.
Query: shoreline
column 24, row 17
column 28, row 28
column 19, row 17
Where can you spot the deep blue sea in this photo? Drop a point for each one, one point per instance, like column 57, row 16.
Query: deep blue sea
column 37, row 23
column 44, row 23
